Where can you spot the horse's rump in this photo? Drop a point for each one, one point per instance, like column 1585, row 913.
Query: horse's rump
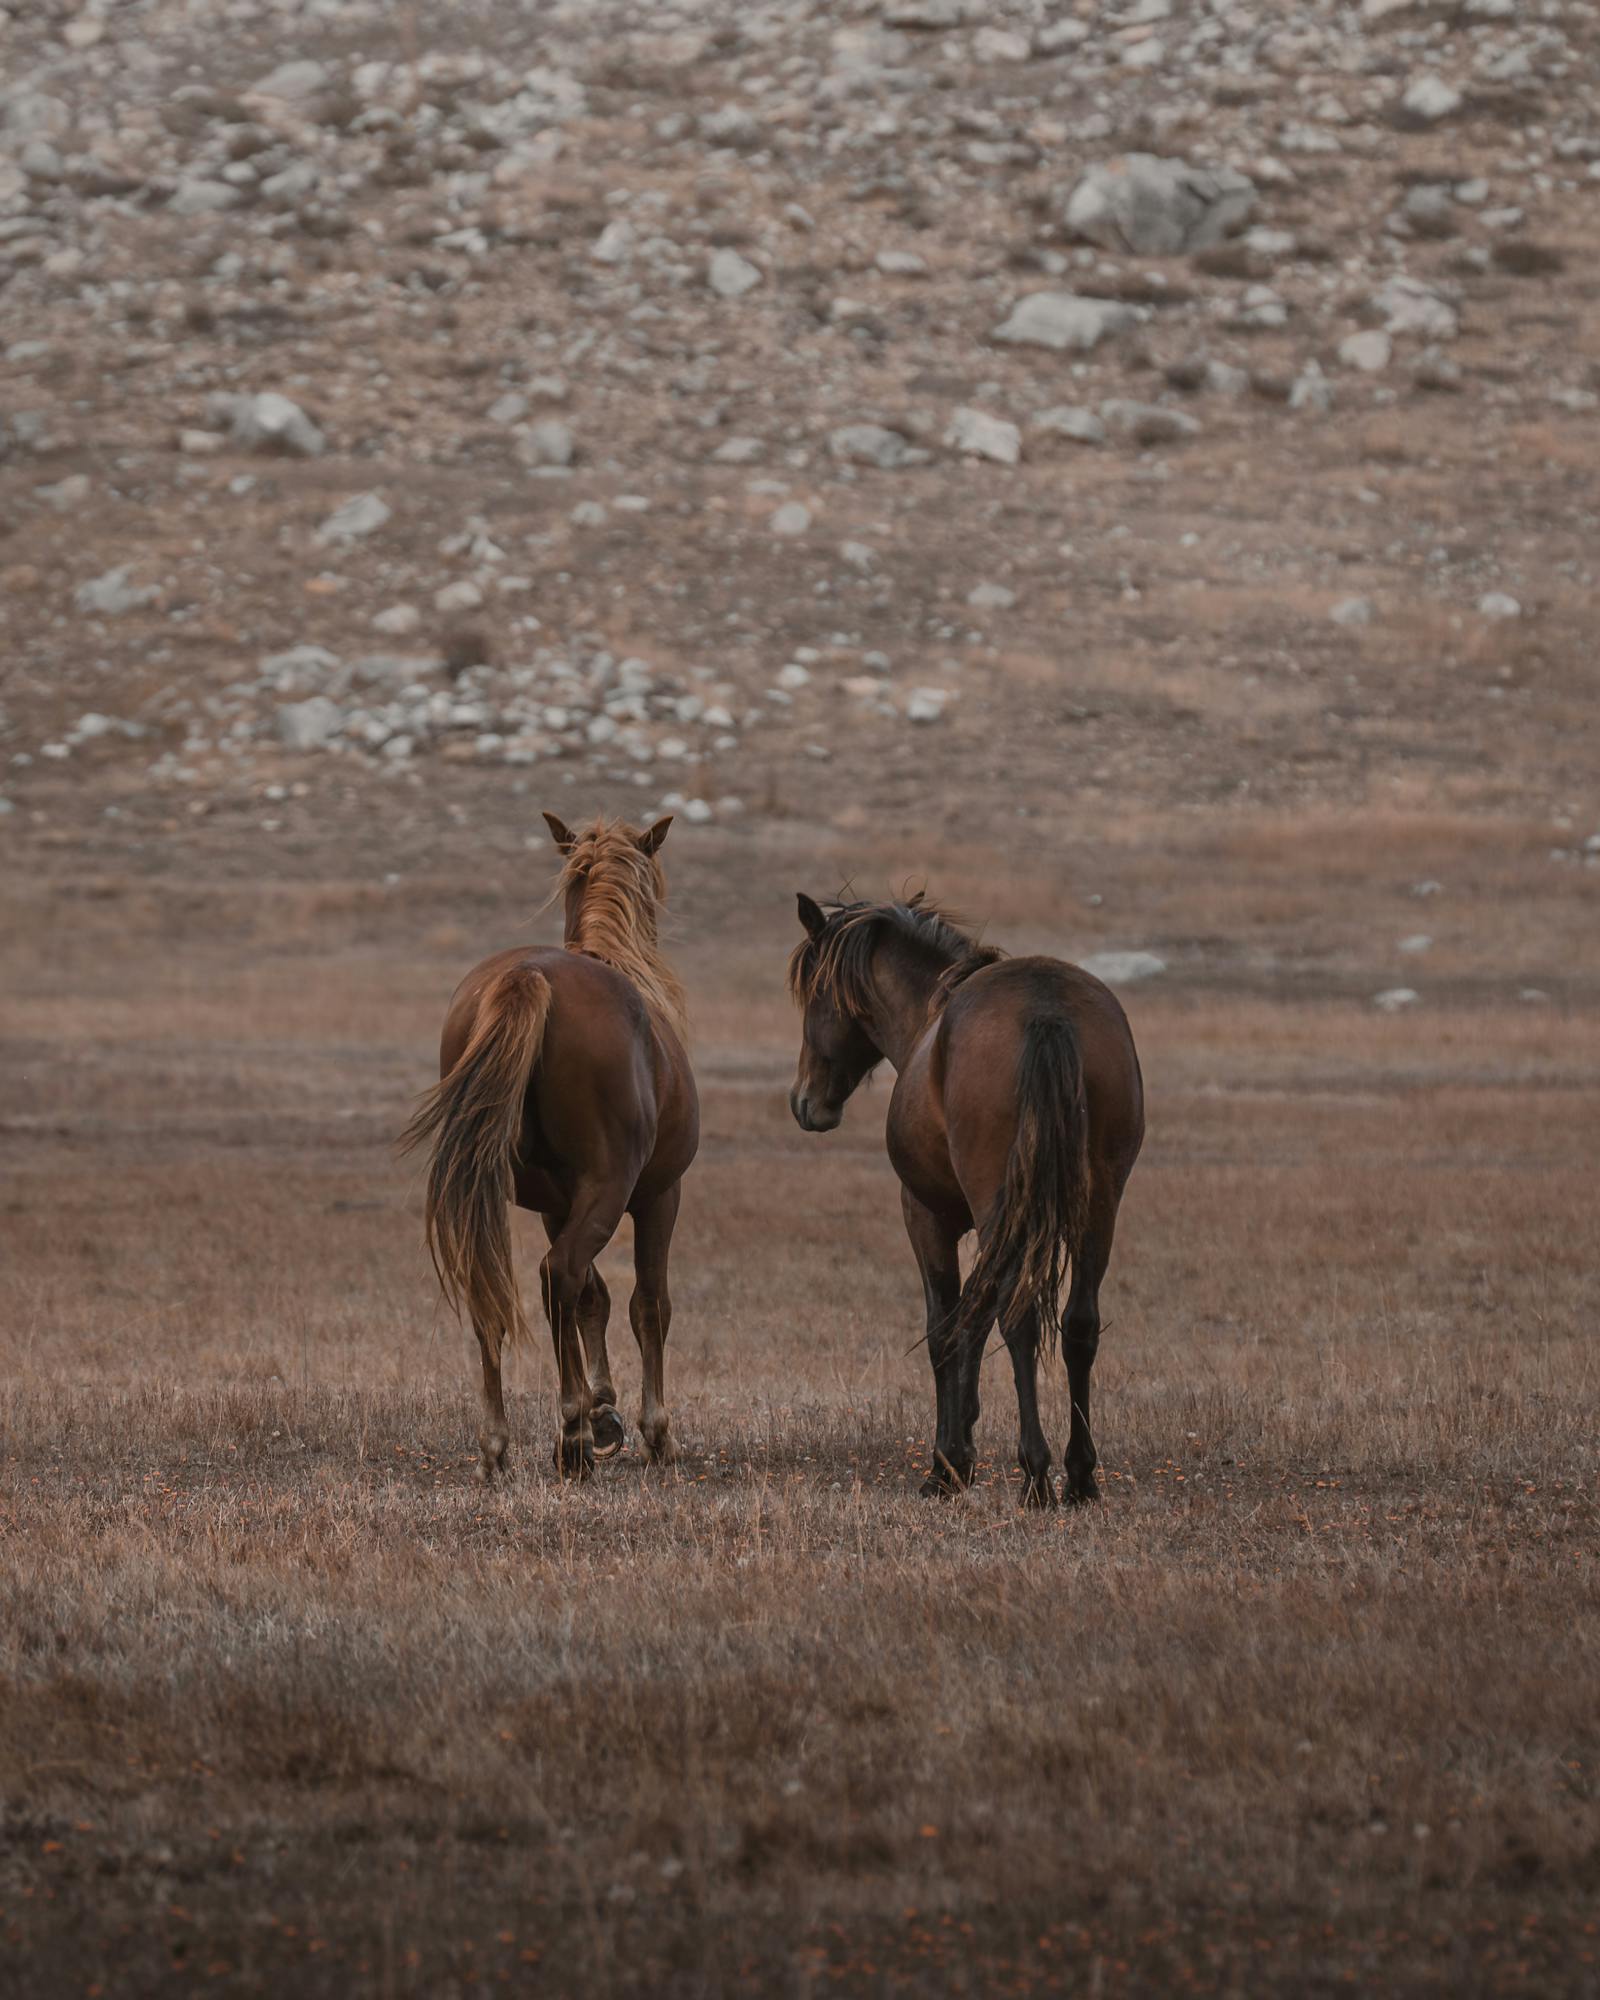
column 1032, row 1228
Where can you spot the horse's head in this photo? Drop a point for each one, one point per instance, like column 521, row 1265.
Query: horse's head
column 836, row 1050
column 611, row 861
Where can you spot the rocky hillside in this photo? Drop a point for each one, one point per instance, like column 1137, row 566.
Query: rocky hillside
column 756, row 404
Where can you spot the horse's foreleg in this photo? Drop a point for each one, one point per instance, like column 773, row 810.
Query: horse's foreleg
column 650, row 1310
column 938, row 1261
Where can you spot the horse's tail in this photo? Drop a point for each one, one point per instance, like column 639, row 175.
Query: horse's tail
column 1036, row 1227
column 473, row 1119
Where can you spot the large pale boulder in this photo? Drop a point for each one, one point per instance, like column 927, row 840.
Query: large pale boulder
column 1158, row 208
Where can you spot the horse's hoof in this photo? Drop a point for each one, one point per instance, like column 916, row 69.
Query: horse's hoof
column 493, row 1466
column 1083, row 1491
column 610, row 1434
column 1039, row 1492
column 574, row 1460
column 664, row 1451
column 945, row 1482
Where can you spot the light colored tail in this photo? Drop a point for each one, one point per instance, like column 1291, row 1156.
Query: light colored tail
column 473, row 1118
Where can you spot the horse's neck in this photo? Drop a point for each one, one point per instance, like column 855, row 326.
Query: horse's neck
column 902, row 988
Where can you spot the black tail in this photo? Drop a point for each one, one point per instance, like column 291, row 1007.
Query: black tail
column 1036, row 1227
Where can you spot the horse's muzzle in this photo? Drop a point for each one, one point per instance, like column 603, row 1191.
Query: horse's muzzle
column 811, row 1117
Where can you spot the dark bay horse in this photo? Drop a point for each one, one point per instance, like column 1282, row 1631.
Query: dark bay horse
column 1018, row 1110
column 565, row 1087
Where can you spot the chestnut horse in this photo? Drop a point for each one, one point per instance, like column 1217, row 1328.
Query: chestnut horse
column 565, row 1087
column 1018, row 1109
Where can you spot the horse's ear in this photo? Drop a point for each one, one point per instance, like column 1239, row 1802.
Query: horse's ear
column 561, row 833
column 653, row 836
column 811, row 915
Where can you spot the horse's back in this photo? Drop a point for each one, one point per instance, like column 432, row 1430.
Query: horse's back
column 611, row 1083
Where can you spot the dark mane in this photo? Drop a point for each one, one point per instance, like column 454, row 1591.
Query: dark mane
column 837, row 962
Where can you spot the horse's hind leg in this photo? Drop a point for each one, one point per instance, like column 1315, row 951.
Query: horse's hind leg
column 1080, row 1342
column 650, row 1310
column 564, row 1274
column 495, row 1435
column 1033, row 1447
column 594, row 1311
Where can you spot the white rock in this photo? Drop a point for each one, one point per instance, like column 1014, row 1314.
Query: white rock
column 901, row 264
column 1429, row 98
column 1070, row 420
column 308, row 725
column 1152, row 207
column 1353, row 611
column 397, row 620
column 462, row 596
column 730, row 276
column 615, row 242
column 871, row 444
column 110, row 595
column 295, row 184
column 294, row 82
column 1394, row 999
column 791, row 519
column 1496, row 604
column 1370, row 352
column 1148, row 423
column 299, row 666
column 66, row 495
column 269, row 422
column 548, row 442
column 929, row 13
column 25, row 112
column 991, row 597
column 978, row 435
column 1409, row 306
column 926, row 704
column 1065, row 321
column 203, row 197
column 1312, row 390
column 360, row 516
column 1123, row 968
column 994, row 45
column 1414, row 945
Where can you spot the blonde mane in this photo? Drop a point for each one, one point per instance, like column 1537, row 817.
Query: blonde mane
column 620, row 888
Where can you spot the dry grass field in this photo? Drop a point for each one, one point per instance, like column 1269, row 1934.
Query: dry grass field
column 290, row 1704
